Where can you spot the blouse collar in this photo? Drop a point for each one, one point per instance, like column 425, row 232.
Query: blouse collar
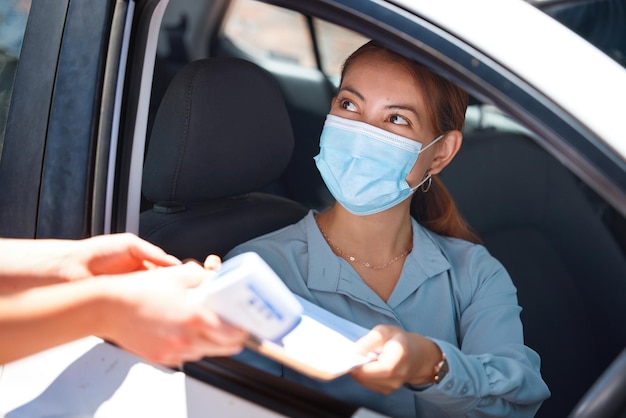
column 330, row 273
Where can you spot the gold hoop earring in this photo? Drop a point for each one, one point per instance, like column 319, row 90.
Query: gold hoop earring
column 427, row 184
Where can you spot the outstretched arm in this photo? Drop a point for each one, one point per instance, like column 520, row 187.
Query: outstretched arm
column 25, row 263
column 145, row 312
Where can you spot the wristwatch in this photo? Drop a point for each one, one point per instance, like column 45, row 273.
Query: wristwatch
column 441, row 369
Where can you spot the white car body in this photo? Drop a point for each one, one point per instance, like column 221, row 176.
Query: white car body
column 90, row 377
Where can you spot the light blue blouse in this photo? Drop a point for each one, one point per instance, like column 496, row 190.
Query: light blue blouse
column 450, row 290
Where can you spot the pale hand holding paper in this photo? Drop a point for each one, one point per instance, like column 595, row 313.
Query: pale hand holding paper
column 285, row 327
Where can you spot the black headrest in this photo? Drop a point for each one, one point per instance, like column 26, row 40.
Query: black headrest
column 222, row 129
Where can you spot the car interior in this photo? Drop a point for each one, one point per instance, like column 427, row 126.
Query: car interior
column 205, row 170
column 230, row 156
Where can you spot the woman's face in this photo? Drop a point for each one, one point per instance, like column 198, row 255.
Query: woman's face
column 384, row 93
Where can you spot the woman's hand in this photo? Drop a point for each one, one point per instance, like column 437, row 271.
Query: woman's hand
column 402, row 358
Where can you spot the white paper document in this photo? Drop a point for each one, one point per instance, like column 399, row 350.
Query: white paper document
column 283, row 326
column 320, row 346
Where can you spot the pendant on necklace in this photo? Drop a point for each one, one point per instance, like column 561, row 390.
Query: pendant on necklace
column 353, row 259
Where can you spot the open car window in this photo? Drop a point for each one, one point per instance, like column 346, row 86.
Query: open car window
column 519, row 178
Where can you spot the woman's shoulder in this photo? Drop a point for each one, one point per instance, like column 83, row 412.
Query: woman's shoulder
column 446, row 242
column 473, row 271
column 466, row 255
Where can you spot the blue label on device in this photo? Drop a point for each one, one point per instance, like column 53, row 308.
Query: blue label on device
column 270, row 310
column 266, row 303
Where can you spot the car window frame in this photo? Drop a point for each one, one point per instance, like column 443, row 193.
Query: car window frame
column 584, row 153
column 126, row 199
column 420, row 39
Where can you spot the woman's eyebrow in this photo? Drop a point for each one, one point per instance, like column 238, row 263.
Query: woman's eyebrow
column 406, row 107
column 409, row 108
column 353, row 91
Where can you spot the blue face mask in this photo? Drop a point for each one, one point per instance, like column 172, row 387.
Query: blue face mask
column 365, row 167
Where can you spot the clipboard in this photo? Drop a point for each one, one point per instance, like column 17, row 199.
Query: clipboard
column 321, row 346
column 283, row 326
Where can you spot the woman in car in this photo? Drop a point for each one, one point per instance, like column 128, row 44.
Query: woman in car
column 443, row 313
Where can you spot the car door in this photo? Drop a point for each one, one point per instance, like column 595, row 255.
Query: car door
column 53, row 171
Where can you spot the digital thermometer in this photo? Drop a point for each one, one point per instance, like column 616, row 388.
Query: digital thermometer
column 247, row 292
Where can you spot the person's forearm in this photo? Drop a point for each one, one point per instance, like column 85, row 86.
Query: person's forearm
column 42, row 318
column 29, row 263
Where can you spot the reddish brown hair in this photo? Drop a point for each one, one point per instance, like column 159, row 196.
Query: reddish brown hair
column 436, row 209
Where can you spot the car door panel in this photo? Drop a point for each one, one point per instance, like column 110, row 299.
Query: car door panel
column 74, row 119
column 25, row 135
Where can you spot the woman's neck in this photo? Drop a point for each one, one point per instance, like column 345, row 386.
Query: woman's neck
column 375, row 239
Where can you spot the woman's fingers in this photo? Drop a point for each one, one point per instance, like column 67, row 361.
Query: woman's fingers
column 213, row 262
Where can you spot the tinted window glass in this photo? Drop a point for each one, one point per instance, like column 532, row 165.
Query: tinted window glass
column 13, row 16
column 335, row 43
column 268, row 32
column 601, row 22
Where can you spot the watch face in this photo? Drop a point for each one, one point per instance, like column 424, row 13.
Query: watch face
column 442, row 370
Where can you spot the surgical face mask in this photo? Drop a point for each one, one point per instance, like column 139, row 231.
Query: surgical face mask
column 365, row 167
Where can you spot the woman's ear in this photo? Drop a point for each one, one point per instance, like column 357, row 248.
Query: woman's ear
column 447, row 149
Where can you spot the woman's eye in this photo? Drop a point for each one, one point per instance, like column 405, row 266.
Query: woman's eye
column 348, row 105
column 398, row 120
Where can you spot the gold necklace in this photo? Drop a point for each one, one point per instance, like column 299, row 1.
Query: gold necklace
column 342, row 254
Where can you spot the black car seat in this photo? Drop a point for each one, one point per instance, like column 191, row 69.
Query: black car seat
column 534, row 216
column 220, row 135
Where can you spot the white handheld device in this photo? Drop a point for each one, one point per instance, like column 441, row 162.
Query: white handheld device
column 247, row 292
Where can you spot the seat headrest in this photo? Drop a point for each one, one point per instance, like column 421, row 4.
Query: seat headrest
column 222, row 129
